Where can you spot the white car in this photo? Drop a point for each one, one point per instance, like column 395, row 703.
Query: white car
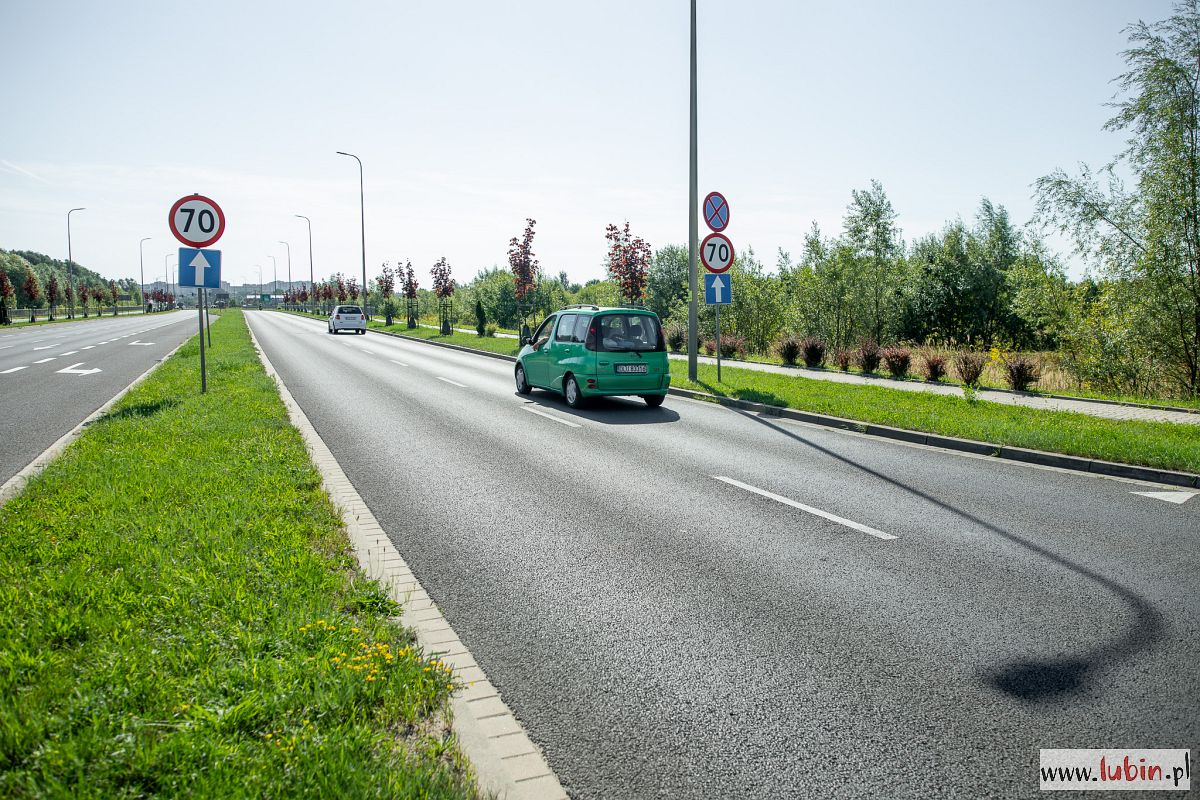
column 347, row 318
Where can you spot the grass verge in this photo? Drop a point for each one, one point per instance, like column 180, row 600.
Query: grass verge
column 508, row 347
column 132, row 311
column 1154, row 444
column 181, row 615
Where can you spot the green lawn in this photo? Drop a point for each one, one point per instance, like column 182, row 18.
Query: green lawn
column 493, row 344
column 1155, row 444
column 61, row 317
column 180, row 613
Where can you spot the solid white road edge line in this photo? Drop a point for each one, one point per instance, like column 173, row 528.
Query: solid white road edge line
column 481, row 717
column 399, row 363
column 453, row 383
column 541, row 413
column 17, row 482
column 808, row 509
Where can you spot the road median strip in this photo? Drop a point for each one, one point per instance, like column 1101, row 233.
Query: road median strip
column 182, row 613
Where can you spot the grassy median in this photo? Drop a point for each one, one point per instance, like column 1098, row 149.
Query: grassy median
column 180, row 614
column 1155, row 444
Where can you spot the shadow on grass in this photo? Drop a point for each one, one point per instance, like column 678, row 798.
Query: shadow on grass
column 749, row 395
column 140, row 410
column 1033, row 680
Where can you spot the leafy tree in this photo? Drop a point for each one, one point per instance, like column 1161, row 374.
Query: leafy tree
column 871, row 230
column 6, row 295
column 410, row 294
column 757, row 312
column 1148, row 237
column 385, row 284
column 115, row 293
column 667, row 279
column 53, row 292
column 480, row 318
column 443, row 287
column 33, row 291
column 628, row 259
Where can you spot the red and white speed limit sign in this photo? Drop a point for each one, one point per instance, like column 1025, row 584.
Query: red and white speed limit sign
column 196, row 220
column 716, row 252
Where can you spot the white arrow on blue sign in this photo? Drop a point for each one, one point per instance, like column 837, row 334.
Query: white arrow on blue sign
column 718, row 289
column 200, row 268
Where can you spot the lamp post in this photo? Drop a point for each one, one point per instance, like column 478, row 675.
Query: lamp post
column 275, row 285
column 260, row 291
column 363, row 216
column 142, row 268
column 71, row 262
column 167, row 278
column 311, row 280
column 693, row 223
column 289, row 252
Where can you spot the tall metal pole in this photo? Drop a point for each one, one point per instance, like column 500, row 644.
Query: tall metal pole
column 142, row 266
column 312, row 283
column 363, row 210
column 693, row 221
column 289, row 252
column 71, row 261
column 260, row 291
column 200, row 318
column 207, row 318
column 275, row 286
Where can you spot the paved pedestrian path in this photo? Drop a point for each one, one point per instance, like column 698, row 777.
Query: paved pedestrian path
column 1096, row 409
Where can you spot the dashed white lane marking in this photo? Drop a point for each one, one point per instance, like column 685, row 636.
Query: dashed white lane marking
column 14, row 369
column 541, row 413
column 89, row 347
column 7, row 346
column 44, row 347
column 807, row 509
column 1178, row 498
column 140, row 344
column 44, row 360
column 368, row 352
column 69, row 353
column 453, row 383
column 400, row 363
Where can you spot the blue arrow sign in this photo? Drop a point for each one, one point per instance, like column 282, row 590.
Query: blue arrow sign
column 200, row 268
column 718, row 289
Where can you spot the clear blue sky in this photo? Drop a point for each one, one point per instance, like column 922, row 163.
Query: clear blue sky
column 471, row 116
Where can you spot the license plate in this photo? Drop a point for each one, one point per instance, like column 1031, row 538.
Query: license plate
column 631, row 368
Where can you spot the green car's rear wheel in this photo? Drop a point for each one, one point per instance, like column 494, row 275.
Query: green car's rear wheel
column 654, row 400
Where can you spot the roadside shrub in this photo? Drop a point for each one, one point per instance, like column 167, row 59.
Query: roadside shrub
column 733, row 346
column 1021, row 371
column 710, row 346
column 869, row 355
column 789, row 349
column 935, row 367
column 490, row 330
column 843, row 358
column 898, row 360
column 676, row 336
column 814, row 352
column 969, row 367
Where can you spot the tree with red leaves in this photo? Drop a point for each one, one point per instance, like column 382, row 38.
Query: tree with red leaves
column 385, row 284
column 340, row 282
column 525, row 270
column 115, row 293
column 85, row 297
column 352, row 289
column 628, row 259
column 53, row 293
column 443, row 287
column 6, row 293
column 410, row 294
column 32, row 289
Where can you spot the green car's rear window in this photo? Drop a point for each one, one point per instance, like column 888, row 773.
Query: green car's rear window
column 625, row 333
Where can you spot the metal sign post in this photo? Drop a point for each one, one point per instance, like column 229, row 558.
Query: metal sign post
column 716, row 253
column 197, row 221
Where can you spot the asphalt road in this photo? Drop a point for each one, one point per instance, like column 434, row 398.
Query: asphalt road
column 664, row 629
column 53, row 376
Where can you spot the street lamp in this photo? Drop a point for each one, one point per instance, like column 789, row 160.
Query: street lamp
column 70, row 261
column 167, row 277
column 289, row 252
column 260, row 291
column 275, row 286
column 311, row 281
column 363, row 216
column 693, row 222
column 142, row 267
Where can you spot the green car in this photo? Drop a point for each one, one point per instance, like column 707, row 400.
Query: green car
column 588, row 351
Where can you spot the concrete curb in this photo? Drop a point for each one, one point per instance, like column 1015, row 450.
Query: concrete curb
column 13, row 486
column 1039, row 457
column 507, row 763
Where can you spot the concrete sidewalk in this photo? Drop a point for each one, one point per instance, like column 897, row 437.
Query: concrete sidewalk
column 1096, row 408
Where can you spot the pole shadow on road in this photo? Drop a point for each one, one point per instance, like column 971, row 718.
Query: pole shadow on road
column 1034, row 680
column 605, row 410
